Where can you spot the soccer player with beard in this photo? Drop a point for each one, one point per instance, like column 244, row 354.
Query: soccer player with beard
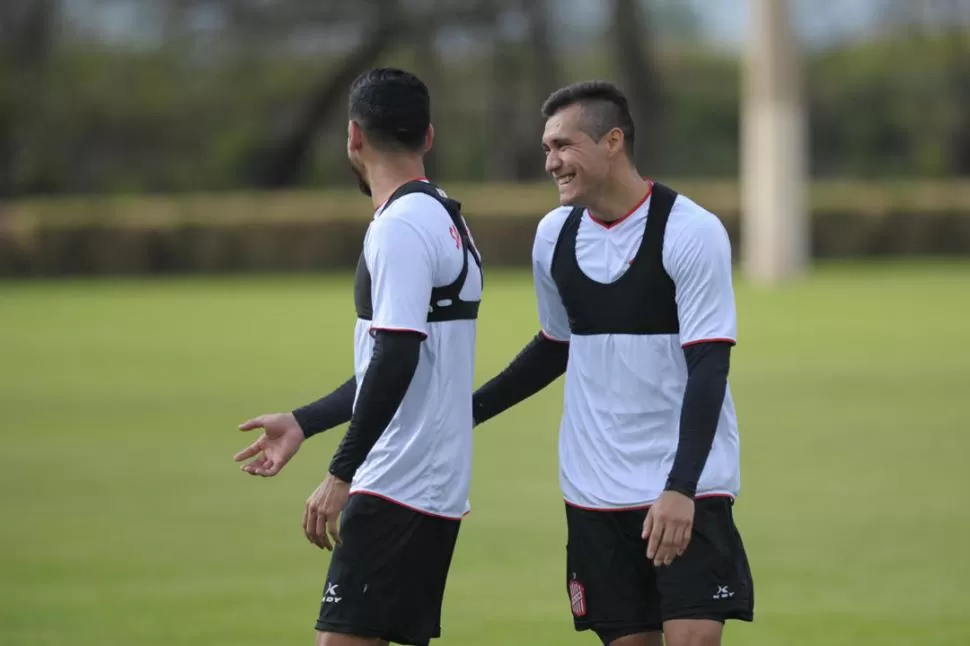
column 400, row 478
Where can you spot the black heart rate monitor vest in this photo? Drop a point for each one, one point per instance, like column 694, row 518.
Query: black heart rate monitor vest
column 641, row 301
column 446, row 303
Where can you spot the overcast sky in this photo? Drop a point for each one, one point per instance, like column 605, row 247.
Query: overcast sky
column 725, row 20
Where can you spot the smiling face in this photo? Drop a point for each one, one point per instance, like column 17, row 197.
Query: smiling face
column 579, row 164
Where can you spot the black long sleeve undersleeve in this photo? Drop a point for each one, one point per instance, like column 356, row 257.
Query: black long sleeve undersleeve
column 387, row 380
column 540, row 363
column 325, row 413
column 707, row 371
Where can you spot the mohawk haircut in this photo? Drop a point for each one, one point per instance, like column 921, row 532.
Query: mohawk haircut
column 604, row 107
column 392, row 107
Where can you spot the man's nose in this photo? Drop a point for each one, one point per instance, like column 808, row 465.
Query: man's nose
column 552, row 162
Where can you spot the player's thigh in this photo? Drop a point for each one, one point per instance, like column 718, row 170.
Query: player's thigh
column 711, row 580
column 609, row 582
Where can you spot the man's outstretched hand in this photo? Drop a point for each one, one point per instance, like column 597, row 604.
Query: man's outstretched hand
column 281, row 439
column 668, row 527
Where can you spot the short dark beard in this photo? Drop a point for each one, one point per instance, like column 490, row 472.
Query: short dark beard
column 361, row 182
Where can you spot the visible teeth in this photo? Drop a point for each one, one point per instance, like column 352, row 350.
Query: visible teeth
column 565, row 179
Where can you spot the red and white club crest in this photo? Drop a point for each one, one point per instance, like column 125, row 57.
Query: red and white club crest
column 577, row 597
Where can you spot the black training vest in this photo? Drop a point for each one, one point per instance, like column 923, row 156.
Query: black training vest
column 640, row 301
column 446, row 304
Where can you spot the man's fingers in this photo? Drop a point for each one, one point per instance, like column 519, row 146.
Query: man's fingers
column 668, row 546
column 254, row 467
column 270, row 468
column 250, row 424
column 332, row 527
column 674, row 549
column 656, row 536
column 309, row 521
column 321, row 531
column 675, row 542
column 684, row 538
column 249, row 451
column 647, row 526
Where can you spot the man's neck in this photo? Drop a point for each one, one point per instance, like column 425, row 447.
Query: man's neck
column 386, row 177
column 620, row 196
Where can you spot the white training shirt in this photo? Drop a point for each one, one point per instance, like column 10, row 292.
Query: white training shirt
column 423, row 459
column 623, row 393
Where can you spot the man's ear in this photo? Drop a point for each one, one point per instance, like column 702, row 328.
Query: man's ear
column 615, row 141
column 429, row 138
column 355, row 136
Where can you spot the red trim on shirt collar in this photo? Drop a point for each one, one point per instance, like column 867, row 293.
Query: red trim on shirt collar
column 610, row 225
column 413, row 179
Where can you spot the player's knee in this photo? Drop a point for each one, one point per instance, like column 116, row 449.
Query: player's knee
column 640, row 639
column 693, row 632
column 338, row 639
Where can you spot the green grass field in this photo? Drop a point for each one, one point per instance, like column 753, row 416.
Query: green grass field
column 125, row 521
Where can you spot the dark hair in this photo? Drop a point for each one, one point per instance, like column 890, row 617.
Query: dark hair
column 604, row 108
column 392, row 107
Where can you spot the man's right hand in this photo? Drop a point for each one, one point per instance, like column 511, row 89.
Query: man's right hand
column 281, row 439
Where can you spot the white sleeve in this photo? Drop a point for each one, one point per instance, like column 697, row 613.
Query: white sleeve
column 699, row 262
column 552, row 313
column 401, row 264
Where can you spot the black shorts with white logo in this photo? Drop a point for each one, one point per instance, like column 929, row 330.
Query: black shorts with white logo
column 615, row 591
column 387, row 577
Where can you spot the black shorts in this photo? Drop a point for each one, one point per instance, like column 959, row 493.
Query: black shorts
column 615, row 591
column 387, row 577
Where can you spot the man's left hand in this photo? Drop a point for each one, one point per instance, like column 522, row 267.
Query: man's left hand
column 322, row 512
column 668, row 526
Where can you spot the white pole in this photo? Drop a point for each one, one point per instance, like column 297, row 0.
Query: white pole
column 775, row 237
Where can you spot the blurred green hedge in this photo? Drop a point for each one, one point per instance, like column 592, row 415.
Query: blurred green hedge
column 310, row 230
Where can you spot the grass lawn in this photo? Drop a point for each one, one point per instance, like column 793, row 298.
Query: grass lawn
column 125, row 522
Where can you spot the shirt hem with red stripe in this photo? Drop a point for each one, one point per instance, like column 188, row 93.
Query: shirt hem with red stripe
column 386, row 498
column 644, row 505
